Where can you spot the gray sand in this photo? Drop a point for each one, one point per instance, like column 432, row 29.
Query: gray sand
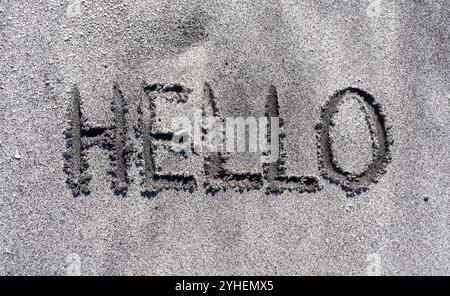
column 397, row 51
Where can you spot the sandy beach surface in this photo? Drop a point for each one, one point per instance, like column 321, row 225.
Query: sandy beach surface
column 60, row 58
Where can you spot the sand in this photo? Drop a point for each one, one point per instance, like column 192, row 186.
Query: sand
column 98, row 56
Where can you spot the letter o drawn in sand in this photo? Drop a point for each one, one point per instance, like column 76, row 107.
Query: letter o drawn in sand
column 353, row 183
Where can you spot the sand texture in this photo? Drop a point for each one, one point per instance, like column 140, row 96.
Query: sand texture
column 88, row 91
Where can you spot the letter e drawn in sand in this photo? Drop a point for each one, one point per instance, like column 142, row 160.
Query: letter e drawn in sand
column 154, row 181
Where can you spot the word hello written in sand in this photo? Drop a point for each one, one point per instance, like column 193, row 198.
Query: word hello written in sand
column 117, row 140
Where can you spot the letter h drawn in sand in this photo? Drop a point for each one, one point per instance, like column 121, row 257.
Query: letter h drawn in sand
column 80, row 137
